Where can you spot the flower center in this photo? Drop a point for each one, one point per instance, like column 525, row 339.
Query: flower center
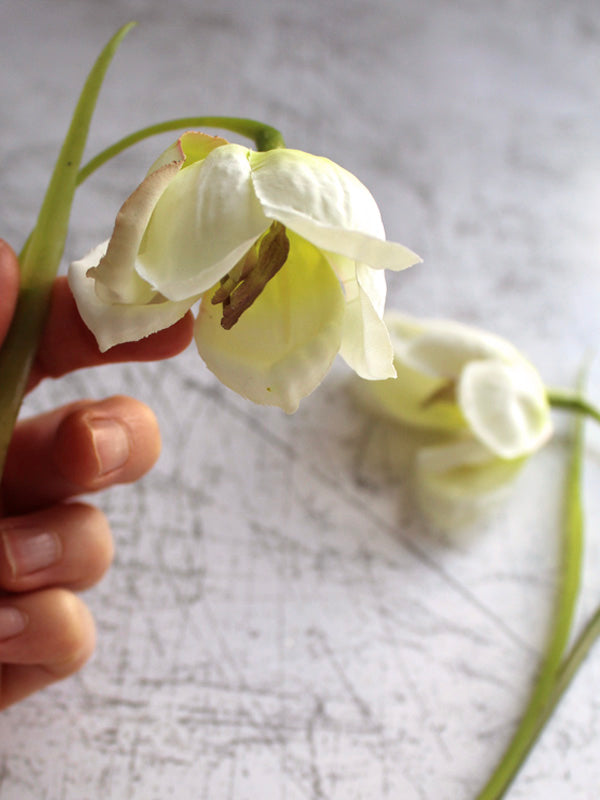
column 445, row 394
column 243, row 284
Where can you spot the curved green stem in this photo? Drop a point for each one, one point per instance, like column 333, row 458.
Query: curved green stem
column 572, row 401
column 43, row 250
column 536, row 712
column 264, row 136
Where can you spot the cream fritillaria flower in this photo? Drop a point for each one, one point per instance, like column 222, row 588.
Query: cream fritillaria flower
column 485, row 403
column 285, row 251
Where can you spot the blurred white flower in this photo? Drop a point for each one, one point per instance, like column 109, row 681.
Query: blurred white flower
column 284, row 249
column 484, row 400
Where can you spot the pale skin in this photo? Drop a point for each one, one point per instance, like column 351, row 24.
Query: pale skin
column 50, row 546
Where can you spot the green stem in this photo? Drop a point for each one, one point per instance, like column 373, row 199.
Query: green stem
column 572, row 401
column 536, row 713
column 43, row 250
column 568, row 670
column 264, row 136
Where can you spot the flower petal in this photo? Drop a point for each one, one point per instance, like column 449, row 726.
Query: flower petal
column 114, row 323
column 442, row 348
column 326, row 205
column 461, row 482
column 505, row 406
column 191, row 146
column 283, row 345
column 366, row 345
column 205, row 221
column 404, row 399
column 115, row 273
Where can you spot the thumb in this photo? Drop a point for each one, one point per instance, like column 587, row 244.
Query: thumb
column 9, row 286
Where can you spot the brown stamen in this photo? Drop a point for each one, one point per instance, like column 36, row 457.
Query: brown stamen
column 240, row 288
column 445, row 394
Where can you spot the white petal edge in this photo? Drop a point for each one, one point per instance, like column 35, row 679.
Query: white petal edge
column 327, row 206
column 505, row 406
column 366, row 345
column 444, row 347
column 115, row 323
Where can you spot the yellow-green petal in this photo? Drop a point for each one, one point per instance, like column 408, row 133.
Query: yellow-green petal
column 282, row 346
column 191, row 147
column 460, row 482
column 405, row 399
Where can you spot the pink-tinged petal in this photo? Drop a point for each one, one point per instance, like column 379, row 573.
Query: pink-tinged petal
column 204, row 222
column 197, row 146
column 191, row 146
column 114, row 323
column 283, row 345
column 116, row 276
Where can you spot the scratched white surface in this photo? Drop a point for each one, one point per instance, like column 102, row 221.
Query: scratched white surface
column 279, row 622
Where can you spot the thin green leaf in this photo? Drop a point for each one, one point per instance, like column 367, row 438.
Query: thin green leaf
column 536, row 713
column 41, row 255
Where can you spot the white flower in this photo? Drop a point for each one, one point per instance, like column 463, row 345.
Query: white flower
column 486, row 402
column 284, row 249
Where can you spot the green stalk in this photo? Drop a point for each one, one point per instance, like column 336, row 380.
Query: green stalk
column 264, row 136
column 568, row 670
column 572, row 401
column 543, row 694
column 43, row 250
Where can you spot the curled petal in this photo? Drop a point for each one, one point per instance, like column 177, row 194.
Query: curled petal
column 205, row 221
column 284, row 344
column 190, row 147
column 505, row 406
column 326, row 205
column 115, row 273
column 114, row 323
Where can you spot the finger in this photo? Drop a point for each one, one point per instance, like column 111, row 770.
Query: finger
column 9, row 286
column 44, row 637
column 68, row 545
column 67, row 344
column 81, row 447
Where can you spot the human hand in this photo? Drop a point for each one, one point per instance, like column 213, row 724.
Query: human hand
column 50, row 546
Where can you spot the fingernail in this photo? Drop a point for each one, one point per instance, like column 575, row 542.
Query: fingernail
column 111, row 444
column 12, row 622
column 28, row 551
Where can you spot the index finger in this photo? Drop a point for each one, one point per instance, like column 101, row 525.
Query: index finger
column 9, row 286
column 67, row 344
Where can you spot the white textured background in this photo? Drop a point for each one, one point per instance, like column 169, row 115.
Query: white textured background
column 279, row 623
